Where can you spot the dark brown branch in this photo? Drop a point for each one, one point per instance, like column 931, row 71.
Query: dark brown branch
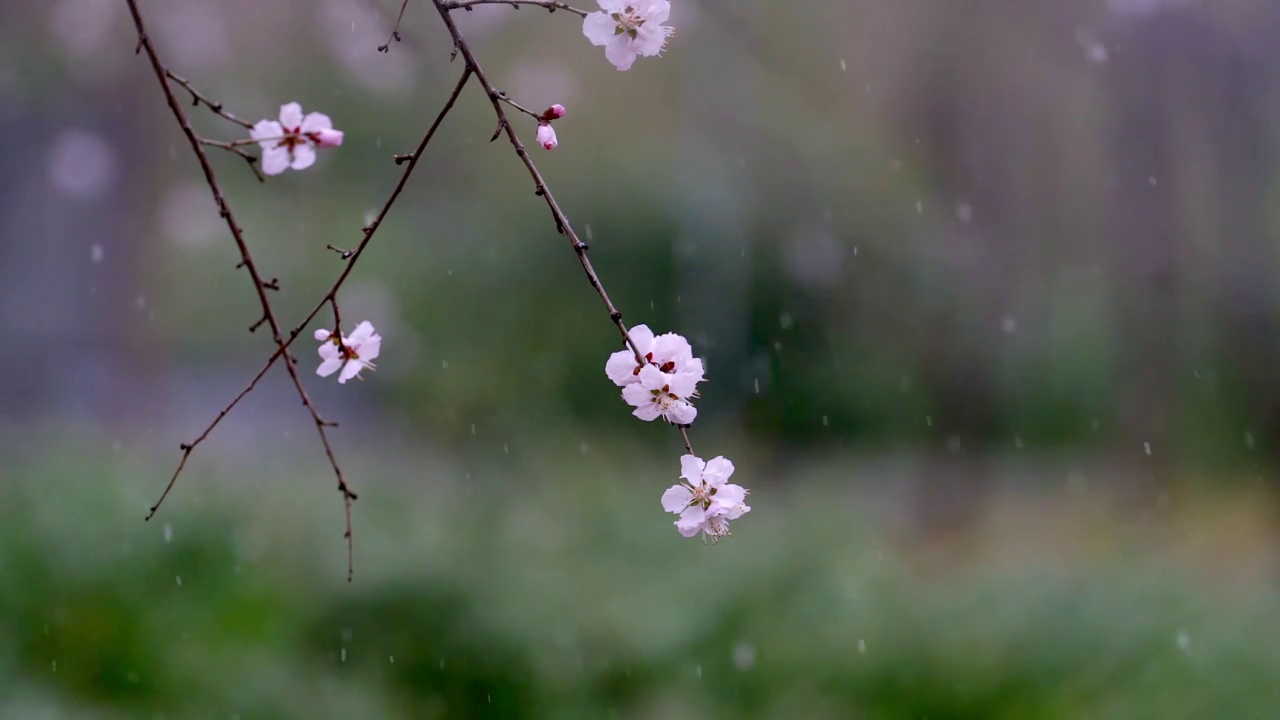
column 162, row 75
column 548, row 5
column 497, row 98
column 395, row 30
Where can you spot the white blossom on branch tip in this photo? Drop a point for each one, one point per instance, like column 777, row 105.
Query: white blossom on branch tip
column 705, row 502
column 629, row 28
column 291, row 142
column 352, row 353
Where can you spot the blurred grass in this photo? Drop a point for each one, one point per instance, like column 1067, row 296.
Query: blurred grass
column 555, row 587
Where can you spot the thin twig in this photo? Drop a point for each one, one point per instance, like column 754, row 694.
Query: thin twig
column 548, row 5
column 496, row 98
column 395, row 30
column 197, row 98
column 246, row 260
column 234, row 149
column 506, row 99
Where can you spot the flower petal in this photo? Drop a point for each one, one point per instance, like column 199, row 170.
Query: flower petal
column 652, row 378
column 329, row 366
column 691, row 520
column 362, row 333
column 718, row 470
column 648, row 413
column 650, row 39
column 275, row 159
column 350, row 370
column 304, row 156
column 266, row 129
column 691, row 467
column 314, row 122
column 642, row 336
column 618, row 50
column 682, row 385
column 599, row 27
column 676, row 499
column 636, row 395
column 621, row 368
column 291, row 116
column 323, row 335
column 681, row 413
column 729, row 496
column 655, row 11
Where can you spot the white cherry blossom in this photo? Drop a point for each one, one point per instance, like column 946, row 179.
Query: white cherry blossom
column 629, row 28
column 705, row 501
column 292, row 141
column 665, row 395
column 670, row 352
column 351, row 353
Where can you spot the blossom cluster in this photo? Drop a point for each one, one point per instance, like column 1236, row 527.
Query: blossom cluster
column 659, row 377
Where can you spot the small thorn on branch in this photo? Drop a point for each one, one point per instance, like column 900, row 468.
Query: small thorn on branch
column 615, row 316
column 581, row 247
column 502, row 123
column 184, row 447
column 273, row 284
column 345, row 254
column 539, row 191
column 326, row 423
column 402, row 159
column 254, row 327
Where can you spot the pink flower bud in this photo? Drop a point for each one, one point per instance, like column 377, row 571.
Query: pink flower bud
column 555, row 112
column 328, row 137
column 547, row 136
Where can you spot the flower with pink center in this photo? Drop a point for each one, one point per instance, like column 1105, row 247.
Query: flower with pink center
column 292, row 141
column 351, row 353
column 704, row 501
column 670, row 352
column 628, row 29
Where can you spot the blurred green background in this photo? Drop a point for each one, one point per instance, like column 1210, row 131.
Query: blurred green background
column 987, row 293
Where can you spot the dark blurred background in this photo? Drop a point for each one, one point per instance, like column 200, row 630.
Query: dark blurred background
column 987, row 293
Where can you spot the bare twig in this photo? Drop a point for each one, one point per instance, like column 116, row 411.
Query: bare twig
column 395, row 30
column 234, row 149
column 504, row 98
column 548, row 5
column 496, row 99
column 197, row 98
column 162, row 75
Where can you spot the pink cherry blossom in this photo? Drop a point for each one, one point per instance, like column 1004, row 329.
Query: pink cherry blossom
column 351, row 353
column 547, row 136
column 705, row 502
column 292, row 141
column 628, row 28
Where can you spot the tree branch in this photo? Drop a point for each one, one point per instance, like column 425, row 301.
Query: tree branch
column 548, row 5
column 496, row 99
column 246, row 260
